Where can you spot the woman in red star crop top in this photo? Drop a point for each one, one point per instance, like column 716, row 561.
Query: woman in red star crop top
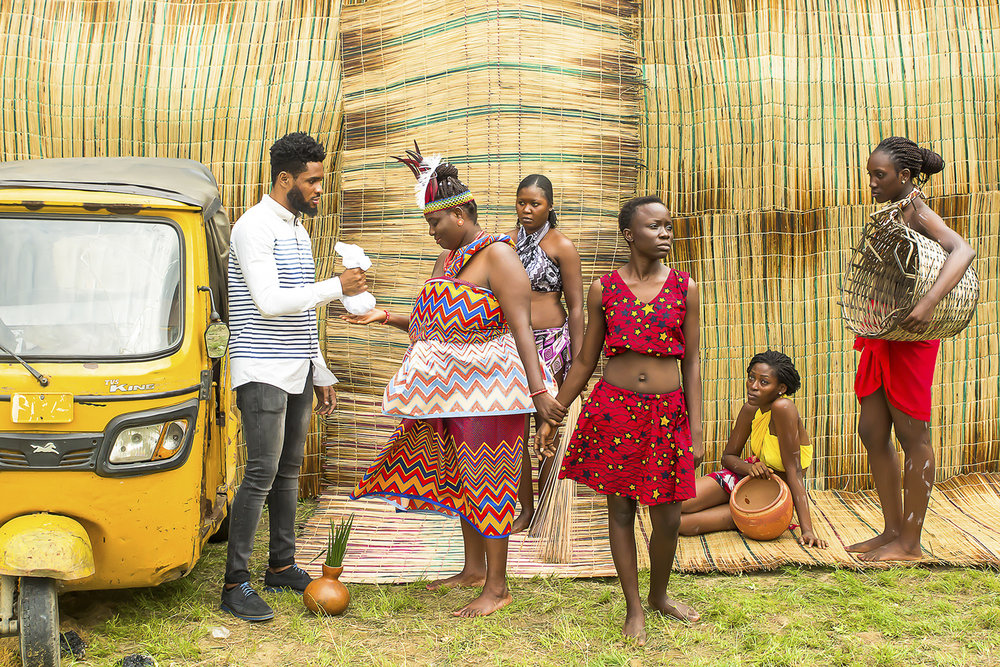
column 638, row 438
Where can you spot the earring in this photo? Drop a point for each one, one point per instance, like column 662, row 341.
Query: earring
column 461, row 222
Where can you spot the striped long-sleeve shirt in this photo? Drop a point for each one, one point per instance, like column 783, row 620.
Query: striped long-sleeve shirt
column 273, row 296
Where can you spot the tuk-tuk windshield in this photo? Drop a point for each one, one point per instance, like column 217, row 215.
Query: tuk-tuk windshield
column 89, row 288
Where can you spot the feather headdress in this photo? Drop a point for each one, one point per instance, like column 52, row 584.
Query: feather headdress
column 426, row 190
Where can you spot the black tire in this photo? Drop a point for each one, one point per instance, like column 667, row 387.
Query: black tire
column 38, row 621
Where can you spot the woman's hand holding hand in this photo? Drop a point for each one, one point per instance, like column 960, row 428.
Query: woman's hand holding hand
column 373, row 315
column 549, row 409
column 545, row 440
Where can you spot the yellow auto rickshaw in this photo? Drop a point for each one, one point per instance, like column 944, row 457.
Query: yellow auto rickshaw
column 117, row 438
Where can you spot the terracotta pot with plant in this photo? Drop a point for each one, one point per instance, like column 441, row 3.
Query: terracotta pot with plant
column 327, row 595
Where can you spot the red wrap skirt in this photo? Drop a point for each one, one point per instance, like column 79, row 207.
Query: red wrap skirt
column 633, row 445
column 904, row 369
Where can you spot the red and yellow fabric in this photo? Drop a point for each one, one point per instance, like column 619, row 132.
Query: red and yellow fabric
column 633, row 445
column 467, row 467
column 462, row 391
column 653, row 328
column 462, row 360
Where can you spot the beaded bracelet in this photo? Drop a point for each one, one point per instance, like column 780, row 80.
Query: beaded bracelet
column 536, row 393
column 386, row 319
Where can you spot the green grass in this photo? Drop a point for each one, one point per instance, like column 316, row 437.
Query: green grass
column 905, row 616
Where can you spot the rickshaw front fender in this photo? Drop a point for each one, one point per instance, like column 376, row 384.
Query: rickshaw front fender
column 45, row 545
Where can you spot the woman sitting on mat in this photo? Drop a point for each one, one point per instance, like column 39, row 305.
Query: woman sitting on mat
column 638, row 438
column 470, row 375
column 553, row 267
column 778, row 445
column 893, row 382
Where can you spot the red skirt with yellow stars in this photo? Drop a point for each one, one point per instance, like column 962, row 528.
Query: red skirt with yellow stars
column 633, row 445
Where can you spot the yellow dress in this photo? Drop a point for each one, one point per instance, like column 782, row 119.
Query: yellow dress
column 764, row 445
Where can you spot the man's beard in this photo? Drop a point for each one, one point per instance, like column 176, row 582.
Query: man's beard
column 300, row 204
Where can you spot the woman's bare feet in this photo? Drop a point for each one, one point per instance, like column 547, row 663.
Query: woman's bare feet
column 485, row 604
column 461, row 580
column 874, row 543
column 894, row 551
column 522, row 522
column 635, row 627
column 673, row 608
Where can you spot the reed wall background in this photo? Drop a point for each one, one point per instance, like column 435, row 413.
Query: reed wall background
column 503, row 89
column 759, row 123
column 753, row 123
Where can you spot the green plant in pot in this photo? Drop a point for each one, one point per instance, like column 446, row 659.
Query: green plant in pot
column 327, row 594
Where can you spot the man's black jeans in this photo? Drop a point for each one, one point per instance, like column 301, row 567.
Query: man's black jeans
column 275, row 425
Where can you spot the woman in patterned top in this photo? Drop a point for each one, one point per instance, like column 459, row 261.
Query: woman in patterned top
column 470, row 375
column 553, row 267
column 638, row 438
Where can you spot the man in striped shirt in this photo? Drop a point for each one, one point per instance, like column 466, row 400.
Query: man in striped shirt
column 277, row 364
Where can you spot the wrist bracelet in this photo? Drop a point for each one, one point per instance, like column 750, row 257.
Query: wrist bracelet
column 385, row 320
column 537, row 393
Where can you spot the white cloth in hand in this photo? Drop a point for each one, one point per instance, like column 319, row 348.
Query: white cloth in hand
column 354, row 257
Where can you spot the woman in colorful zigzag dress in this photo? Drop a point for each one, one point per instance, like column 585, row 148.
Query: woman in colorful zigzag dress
column 470, row 375
column 638, row 438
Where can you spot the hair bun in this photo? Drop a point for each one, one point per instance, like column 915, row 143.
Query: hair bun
column 932, row 162
column 445, row 170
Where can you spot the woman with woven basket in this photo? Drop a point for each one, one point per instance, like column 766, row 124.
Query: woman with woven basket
column 466, row 382
column 893, row 381
column 553, row 266
column 639, row 435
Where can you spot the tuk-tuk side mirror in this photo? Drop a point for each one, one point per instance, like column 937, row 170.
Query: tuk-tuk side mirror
column 217, row 333
column 217, row 339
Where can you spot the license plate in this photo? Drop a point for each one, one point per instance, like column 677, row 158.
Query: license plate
column 41, row 408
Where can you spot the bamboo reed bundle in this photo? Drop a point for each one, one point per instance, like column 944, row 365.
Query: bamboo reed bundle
column 502, row 91
column 553, row 520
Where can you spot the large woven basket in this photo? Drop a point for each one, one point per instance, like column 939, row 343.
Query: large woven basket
column 892, row 267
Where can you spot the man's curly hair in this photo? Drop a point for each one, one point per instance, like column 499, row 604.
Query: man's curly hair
column 292, row 152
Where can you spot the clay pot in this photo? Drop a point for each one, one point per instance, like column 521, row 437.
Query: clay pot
column 761, row 508
column 327, row 595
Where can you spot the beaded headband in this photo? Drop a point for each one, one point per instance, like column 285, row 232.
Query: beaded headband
column 426, row 189
column 450, row 202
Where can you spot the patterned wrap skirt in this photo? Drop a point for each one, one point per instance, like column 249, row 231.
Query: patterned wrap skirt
column 554, row 349
column 467, row 467
column 728, row 479
column 633, row 445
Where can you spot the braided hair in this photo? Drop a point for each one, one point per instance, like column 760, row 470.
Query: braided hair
column 545, row 185
column 782, row 366
column 906, row 154
column 448, row 185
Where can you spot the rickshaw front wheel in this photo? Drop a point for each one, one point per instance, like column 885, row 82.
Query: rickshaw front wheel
column 38, row 621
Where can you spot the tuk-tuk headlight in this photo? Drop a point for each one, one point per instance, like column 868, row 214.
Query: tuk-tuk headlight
column 155, row 442
column 171, row 439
